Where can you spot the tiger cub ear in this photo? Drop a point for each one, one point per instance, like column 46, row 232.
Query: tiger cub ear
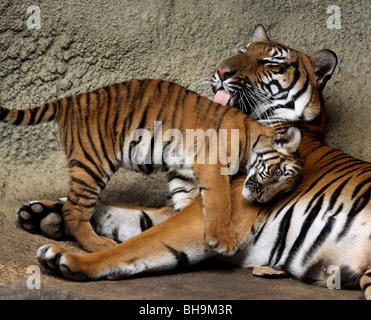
column 324, row 63
column 259, row 34
column 287, row 142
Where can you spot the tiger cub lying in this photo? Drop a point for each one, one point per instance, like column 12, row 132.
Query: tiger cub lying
column 121, row 126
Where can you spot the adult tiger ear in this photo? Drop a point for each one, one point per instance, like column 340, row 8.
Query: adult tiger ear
column 287, row 142
column 259, row 34
column 324, row 63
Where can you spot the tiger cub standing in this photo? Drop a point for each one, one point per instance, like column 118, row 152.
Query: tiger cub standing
column 99, row 133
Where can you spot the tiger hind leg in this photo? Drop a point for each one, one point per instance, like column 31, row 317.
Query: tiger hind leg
column 117, row 221
column 366, row 283
column 85, row 189
column 122, row 222
column 174, row 244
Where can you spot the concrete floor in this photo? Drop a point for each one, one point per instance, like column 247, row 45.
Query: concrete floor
column 210, row 280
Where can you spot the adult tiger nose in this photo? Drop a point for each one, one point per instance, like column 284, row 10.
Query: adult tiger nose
column 225, row 73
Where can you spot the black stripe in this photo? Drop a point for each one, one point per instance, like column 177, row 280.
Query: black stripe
column 181, row 104
column 322, row 236
column 140, row 96
column 360, row 163
column 256, row 141
column 316, row 148
column 302, row 90
column 363, row 172
column 115, row 234
column 284, row 206
column 260, row 231
column 360, row 186
column 111, row 128
column 94, row 162
column 326, row 154
column 143, row 120
column 96, row 178
column 296, row 77
column 281, row 235
column 181, row 257
column 42, row 114
column 145, row 221
column 181, row 190
column 84, row 196
column 79, row 204
column 344, row 160
column 20, row 117
column 221, row 117
column 303, row 232
column 81, row 182
column 198, row 108
column 67, row 132
column 159, row 83
column 166, row 107
column 3, row 113
column 31, row 119
column 336, row 194
column 88, row 134
column 178, row 176
column 326, row 186
column 244, row 154
column 206, row 110
column 359, row 204
column 103, row 143
column 54, row 112
column 130, row 103
column 95, row 193
column 107, row 94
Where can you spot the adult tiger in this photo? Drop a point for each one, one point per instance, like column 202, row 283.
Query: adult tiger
column 325, row 221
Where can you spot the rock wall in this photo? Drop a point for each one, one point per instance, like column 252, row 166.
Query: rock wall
column 84, row 45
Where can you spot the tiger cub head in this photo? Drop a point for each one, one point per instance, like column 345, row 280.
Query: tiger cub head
column 272, row 82
column 274, row 166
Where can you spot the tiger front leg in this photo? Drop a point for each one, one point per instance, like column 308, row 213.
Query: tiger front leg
column 215, row 191
column 79, row 207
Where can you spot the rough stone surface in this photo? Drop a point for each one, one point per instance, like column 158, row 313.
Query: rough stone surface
column 84, row 45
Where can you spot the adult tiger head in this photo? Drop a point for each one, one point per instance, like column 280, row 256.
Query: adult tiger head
column 272, row 82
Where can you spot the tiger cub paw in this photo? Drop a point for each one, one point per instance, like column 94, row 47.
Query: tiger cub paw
column 58, row 260
column 43, row 217
column 224, row 243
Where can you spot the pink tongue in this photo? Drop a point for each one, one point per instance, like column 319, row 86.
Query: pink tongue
column 222, row 97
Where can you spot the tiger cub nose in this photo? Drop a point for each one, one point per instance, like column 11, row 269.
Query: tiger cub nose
column 225, row 73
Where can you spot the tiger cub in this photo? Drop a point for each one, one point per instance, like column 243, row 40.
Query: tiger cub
column 121, row 126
